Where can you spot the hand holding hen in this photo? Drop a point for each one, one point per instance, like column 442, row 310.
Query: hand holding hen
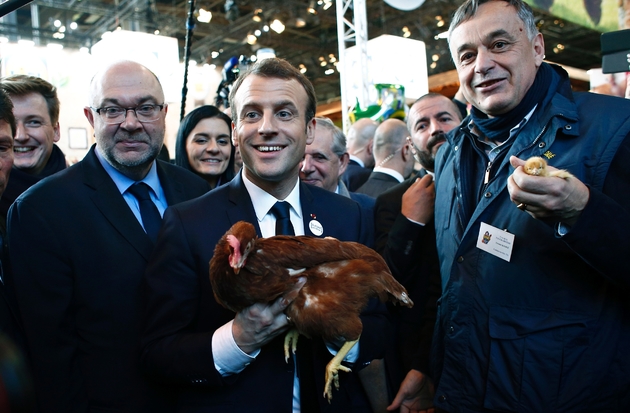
column 331, row 281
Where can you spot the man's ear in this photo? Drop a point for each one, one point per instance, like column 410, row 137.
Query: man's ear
column 343, row 159
column 56, row 133
column 310, row 131
column 539, row 49
column 89, row 114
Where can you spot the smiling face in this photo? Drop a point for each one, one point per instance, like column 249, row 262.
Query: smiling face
column 35, row 133
column 271, row 132
column 130, row 146
column 495, row 60
column 429, row 120
column 208, row 147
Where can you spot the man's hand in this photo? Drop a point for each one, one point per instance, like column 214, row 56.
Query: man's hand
column 258, row 324
column 415, row 394
column 419, row 200
column 547, row 197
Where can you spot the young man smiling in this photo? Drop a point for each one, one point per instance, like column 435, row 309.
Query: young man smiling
column 36, row 110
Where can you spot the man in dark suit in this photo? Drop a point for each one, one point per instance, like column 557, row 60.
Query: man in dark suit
column 405, row 236
column 223, row 361
column 393, row 157
column 79, row 244
column 325, row 160
column 361, row 158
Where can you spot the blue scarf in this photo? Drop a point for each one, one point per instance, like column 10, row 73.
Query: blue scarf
column 497, row 129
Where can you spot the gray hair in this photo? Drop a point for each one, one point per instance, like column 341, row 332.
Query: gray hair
column 339, row 139
column 468, row 10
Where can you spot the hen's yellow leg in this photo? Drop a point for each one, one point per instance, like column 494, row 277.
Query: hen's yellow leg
column 333, row 367
column 290, row 340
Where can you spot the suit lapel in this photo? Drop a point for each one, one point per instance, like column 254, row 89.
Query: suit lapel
column 111, row 204
column 173, row 188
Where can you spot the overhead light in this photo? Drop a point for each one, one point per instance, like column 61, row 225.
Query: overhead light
column 57, row 23
column 253, row 58
column 329, row 72
column 302, row 68
column 251, row 39
column 73, row 26
column 435, row 57
column 156, row 32
column 265, row 28
column 257, row 32
column 204, row 16
column 311, row 7
column 62, row 29
column 327, row 4
column 300, row 22
column 257, row 17
column 277, row 26
column 214, row 54
column 58, row 35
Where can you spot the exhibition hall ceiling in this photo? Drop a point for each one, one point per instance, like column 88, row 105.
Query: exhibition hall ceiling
column 241, row 27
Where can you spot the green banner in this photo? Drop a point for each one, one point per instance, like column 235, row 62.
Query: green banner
column 600, row 15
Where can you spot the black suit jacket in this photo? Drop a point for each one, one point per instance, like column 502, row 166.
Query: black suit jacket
column 78, row 256
column 355, row 175
column 411, row 253
column 378, row 183
column 182, row 314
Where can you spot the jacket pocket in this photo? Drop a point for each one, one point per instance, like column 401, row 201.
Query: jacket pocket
column 530, row 351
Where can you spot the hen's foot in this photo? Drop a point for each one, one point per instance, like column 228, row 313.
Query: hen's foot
column 290, row 340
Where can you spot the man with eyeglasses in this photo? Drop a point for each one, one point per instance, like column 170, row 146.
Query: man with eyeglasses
column 79, row 245
column 36, row 110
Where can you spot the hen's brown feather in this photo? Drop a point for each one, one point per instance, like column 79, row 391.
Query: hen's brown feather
column 340, row 279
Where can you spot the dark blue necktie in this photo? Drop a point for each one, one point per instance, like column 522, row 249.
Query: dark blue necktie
column 151, row 218
column 283, row 221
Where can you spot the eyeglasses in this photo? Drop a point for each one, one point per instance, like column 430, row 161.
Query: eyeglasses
column 115, row 114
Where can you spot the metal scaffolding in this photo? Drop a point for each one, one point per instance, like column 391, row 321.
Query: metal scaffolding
column 352, row 27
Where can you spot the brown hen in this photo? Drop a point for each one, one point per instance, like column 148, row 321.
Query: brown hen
column 335, row 281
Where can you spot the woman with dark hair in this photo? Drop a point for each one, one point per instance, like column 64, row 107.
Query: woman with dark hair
column 204, row 145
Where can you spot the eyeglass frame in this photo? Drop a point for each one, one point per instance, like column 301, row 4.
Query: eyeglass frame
column 97, row 110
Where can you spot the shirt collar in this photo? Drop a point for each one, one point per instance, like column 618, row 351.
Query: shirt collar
column 390, row 172
column 357, row 160
column 264, row 201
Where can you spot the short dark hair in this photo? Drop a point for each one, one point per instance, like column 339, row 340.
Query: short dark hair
column 188, row 124
column 6, row 111
column 468, row 10
column 429, row 95
column 22, row 85
column 279, row 69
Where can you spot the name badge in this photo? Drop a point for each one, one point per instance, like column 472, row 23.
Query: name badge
column 495, row 241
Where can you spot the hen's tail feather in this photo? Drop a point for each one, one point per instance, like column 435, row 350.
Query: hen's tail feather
column 392, row 290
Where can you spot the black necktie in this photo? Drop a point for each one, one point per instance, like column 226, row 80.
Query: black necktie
column 151, row 218
column 283, row 221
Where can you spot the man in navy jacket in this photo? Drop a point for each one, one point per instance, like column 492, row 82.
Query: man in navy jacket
column 534, row 314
